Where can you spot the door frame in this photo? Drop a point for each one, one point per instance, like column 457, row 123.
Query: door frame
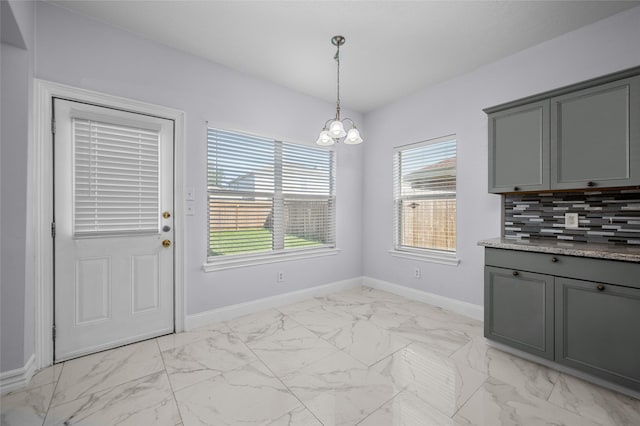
column 42, row 202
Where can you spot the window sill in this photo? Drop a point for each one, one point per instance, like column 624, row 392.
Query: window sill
column 219, row 265
column 430, row 256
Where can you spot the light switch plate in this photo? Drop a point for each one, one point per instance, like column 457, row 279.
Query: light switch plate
column 571, row 220
column 190, row 194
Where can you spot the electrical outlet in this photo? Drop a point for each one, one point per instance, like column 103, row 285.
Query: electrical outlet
column 416, row 273
column 571, row 220
column 280, row 277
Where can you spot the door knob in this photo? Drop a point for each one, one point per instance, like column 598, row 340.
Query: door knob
column 166, row 215
column 166, row 243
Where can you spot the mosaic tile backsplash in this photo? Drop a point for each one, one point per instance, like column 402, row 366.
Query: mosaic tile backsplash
column 611, row 217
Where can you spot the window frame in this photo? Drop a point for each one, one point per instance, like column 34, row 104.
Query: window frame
column 432, row 255
column 221, row 262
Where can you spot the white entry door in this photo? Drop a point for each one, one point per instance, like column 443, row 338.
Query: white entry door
column 113, row 213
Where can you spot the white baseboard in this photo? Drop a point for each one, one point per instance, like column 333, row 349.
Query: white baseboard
column 18, row 378
column 458, row 306
column 228, row 312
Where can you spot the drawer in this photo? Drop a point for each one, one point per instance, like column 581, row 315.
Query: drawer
column 583, row 268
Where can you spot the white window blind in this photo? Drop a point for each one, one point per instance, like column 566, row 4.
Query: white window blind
column 425, row 196
column 268, row 196
column 116, row 179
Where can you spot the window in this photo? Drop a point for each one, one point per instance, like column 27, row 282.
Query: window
column 116, row 179
column 268, row 197
column 424, row 193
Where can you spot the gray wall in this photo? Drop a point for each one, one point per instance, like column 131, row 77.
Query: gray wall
column 16, row 242
column 455, row 106
column 81, row 52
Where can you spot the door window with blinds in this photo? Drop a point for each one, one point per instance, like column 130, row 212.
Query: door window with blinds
column 424, row 194
column 267, row 196
column 116, row 178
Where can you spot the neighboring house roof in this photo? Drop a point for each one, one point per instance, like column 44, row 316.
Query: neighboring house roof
column 436, row 176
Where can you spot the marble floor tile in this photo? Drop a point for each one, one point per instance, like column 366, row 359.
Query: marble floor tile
column 26, row 407
column 261, row 324
column 175, row 340
column 534, row 379
column 339, row 390
column 297, row 417
column 462, row 323
column 247, row 395
column 499, row 403
column 291, row 350
column 305, row 305
column 92, row 373
column 474, row 354
column 145, row 401
column 42, row 377
column 594, row 402
column 442, row 339
column 324, row 320
column 366, row 342
column 354, row 298
column 203, row 359
column 439, row 381
column 406, row 409
column 360, row 356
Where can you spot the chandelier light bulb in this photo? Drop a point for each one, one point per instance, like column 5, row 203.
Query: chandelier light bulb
column 353, row 137
column 336, row 128
column 325, row 139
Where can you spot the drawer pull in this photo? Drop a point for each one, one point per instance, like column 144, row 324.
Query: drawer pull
column 554, row 259
column 515, row 273
column 591, row 184
column 515, row 188
column 600, row 287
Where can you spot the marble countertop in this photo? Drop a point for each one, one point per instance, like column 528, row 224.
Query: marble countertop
column 600, row 251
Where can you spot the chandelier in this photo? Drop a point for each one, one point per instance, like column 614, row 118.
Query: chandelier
column 334, row 128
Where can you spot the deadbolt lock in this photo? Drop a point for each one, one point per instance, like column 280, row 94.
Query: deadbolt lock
column 166, row 243
column 166, row 215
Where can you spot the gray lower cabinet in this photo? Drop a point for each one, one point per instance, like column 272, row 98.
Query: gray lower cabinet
column 598, row 329
column 595, row 136
column 579, row 312
column 519, row 148
column 519, row 310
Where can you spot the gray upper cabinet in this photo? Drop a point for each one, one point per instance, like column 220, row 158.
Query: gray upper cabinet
column 595, row 136
column 577, row 137
column 519, row 148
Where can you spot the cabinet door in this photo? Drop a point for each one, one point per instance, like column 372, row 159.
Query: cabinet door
column 519, row 310
column 595, row 136
column 519, row 148
column 598, row 329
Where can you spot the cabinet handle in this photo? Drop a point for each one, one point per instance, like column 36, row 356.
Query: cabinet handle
column 515, row 188
column 600, row 287
column 554, row 259
column 591, row 183
column 515, row 273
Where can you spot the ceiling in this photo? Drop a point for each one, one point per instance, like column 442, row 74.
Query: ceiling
column 392, row 47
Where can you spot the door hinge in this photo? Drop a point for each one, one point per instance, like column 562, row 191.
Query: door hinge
column 53, row 229
column 53, row 125
column 53, row 332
